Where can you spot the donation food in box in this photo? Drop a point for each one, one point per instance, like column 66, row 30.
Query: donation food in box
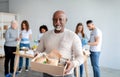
column 52, row 63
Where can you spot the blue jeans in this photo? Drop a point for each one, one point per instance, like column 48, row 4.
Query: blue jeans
column 21, row 62
column 21, row 58
column 94, row 56
column 81, row 70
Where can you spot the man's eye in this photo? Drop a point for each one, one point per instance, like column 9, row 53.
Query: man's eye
column 53, row 19
column 60, row 19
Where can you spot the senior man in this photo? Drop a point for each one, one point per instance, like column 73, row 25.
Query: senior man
column 63, row 40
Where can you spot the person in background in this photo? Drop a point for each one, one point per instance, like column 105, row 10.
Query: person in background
column 83, row 37
column 11, row 38
column 63, row 40
column 42, row 30
column 95, row 43
column 25, row 36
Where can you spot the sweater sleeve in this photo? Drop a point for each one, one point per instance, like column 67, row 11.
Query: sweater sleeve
column 8, row 37
column 41, row 47
column 77, row 52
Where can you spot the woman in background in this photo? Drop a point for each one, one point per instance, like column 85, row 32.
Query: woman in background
column 80, row 32
column 42, row 30
column 11, row 38
column 25, row 36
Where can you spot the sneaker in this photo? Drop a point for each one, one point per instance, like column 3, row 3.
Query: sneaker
column 26, row 69
column 8, row 75
column 15, row 73
column 11, row 75
column 19, row 70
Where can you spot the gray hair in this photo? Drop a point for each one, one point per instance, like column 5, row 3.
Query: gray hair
column 14, row 21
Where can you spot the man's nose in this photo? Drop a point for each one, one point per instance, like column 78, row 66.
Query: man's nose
column 57, row 22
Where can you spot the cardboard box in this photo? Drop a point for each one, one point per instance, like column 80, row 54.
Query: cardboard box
column 47, row 68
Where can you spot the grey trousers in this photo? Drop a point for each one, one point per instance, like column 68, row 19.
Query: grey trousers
column 47, row 75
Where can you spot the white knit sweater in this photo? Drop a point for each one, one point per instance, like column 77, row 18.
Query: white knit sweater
column 67, row 43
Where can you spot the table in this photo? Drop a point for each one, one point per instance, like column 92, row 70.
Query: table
column 17, row 55
column 86, row 55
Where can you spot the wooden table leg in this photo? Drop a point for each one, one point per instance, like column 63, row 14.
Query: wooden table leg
column 86, row 68
column 77, row 72
column 16, row 64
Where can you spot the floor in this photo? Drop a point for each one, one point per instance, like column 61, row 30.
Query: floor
column 105, row 72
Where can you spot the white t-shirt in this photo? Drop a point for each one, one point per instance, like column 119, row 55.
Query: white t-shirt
column 40, row 35
column 25, row 36
column 67, row 43
column 96, row 33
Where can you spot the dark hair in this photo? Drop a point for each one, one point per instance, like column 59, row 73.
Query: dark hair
column 43, row 27
column 26, row 24
column 82, row 32
column 89, row 21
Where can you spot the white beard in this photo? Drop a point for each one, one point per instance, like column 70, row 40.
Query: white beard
column 58, row 28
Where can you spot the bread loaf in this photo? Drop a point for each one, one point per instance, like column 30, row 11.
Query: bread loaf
column 41, row 59
column 53, row 62
column 54, row 54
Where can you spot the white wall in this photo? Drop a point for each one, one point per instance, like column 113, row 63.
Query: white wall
column 4, row 5
column 104, row 13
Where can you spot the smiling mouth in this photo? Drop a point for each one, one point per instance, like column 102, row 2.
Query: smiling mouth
column 58, row 28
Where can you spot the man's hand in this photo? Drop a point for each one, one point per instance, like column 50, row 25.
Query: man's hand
column 69, row 66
